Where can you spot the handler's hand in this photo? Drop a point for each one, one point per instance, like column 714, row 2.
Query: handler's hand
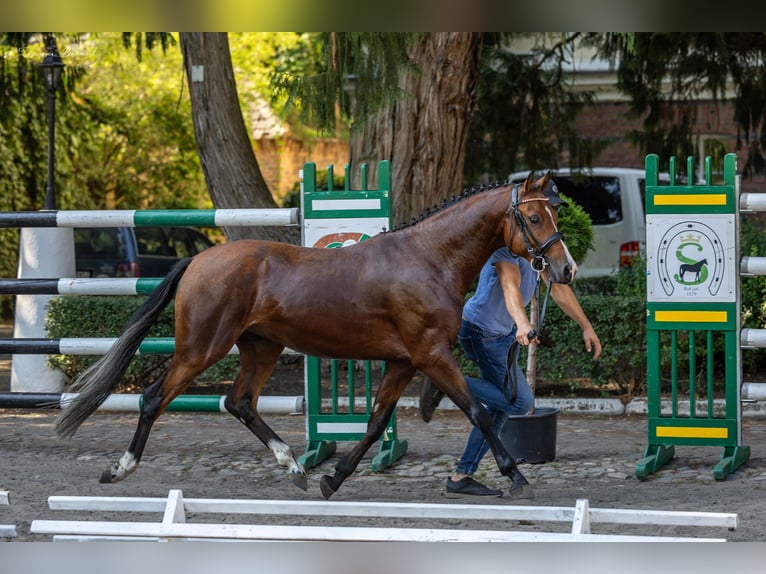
column 592, row 342
column 523, row 336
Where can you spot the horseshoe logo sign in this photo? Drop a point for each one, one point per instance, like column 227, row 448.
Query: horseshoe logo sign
column 336, row 240
column 691, row 257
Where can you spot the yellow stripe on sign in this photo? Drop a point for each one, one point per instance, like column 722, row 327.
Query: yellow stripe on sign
column 691, row 316
column 692, row 432
column 690, row 199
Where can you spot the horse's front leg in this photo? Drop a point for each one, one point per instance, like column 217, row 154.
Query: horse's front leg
column 481, row 419
column 447, row 376
column 391, row 387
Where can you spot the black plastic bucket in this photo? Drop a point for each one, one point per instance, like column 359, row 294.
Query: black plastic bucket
column 531, row 438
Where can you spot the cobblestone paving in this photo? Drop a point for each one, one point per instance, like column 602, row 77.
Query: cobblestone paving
column 213, row 456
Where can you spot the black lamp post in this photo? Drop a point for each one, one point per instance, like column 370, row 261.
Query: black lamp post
column 50, row 68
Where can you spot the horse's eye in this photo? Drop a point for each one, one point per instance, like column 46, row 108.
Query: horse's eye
column 534, row 219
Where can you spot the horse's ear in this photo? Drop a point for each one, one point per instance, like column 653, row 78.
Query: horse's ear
column 544, row 181
column 530, row 181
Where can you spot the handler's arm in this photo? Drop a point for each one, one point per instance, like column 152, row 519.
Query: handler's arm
column 510, row 279
column 565, row 298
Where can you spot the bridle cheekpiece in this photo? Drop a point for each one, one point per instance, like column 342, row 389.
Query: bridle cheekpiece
column 535, row 249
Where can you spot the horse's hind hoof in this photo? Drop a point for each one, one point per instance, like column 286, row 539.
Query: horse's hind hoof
column 115, row 473
column 326, row 487
column 299, row 480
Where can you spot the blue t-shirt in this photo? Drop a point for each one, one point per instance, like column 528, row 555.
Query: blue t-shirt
column 486, row 309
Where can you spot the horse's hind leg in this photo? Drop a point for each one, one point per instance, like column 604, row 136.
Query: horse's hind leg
column 391, row 387
column 257, row 358
column 157, row 397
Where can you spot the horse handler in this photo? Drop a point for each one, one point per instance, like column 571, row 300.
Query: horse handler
column 493, row 319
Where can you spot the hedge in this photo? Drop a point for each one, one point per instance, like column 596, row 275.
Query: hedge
column 106, row 316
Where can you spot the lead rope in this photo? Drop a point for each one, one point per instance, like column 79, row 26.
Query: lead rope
column 513, row 351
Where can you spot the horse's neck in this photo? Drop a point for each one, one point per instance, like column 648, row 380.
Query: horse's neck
column 466, row 234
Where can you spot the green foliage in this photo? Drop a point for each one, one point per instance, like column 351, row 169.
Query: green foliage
column 575, row 224
column 123, row 136
column 258, row 56
column 594, row 285
column 664, row 74
column 619, row 321
column 356, row 71
column 525, row 116
column 144, row 153
column 102, row 316
column 631, row 281
column 616, row 307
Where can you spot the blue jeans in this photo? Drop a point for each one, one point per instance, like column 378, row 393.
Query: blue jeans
column 490, row 351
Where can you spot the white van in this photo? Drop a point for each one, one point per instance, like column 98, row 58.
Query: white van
column 614, row 199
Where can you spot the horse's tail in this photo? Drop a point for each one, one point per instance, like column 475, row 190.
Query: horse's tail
column 99, row 380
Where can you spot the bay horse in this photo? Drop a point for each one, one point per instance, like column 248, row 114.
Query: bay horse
column 396, row 297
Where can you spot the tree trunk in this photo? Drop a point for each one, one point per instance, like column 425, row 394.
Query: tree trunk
column 424, row 135
column 233, row 177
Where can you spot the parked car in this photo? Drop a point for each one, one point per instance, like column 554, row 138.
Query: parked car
column 134, row 251
column 614, row 198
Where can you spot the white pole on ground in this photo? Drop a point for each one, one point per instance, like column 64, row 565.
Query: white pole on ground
column 43, row 253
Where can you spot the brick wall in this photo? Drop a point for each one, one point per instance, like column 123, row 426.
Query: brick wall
column 281, row 159
column 610, row 120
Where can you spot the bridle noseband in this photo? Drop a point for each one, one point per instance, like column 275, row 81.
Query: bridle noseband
column 536, row 252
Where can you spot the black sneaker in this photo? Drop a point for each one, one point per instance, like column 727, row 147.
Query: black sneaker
column 469, row 487
column 430, row 396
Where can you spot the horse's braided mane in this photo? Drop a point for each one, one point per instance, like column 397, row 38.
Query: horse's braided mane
column 467, row 192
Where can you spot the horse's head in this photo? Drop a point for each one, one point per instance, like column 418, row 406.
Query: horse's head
column 531, row 228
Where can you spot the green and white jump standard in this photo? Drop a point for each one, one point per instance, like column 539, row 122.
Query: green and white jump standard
column 334, row 219
column 693, row 308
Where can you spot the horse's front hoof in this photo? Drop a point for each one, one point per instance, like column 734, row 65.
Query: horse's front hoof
column 299, row 480
column 521, row 492
column 520, row 488
column 517, row 479
column 326, row 487
column 107, row 477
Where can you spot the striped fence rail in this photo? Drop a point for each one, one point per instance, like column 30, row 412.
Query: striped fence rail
column 80, row 286
column 127, row 402
column 751, row 266
column 276, row 217
column 93, row 346
column 86, row 346
column 122, row 286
